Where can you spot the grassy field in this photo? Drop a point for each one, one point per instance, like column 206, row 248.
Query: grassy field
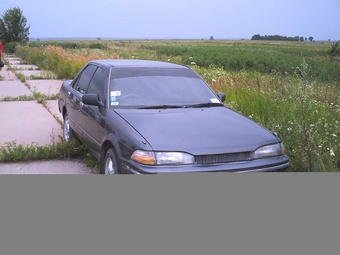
column 292, row 88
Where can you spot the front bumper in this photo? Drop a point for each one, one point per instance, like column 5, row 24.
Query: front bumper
column 274, row 164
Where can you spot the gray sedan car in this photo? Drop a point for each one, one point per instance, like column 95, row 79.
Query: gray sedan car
column 139, row 116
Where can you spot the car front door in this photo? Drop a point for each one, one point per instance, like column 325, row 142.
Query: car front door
column 76, row 111
column 95, row 123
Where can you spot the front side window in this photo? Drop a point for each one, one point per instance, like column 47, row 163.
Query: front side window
column 97, row 84
column 84, row 80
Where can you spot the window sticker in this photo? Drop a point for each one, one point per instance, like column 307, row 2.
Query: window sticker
column 214, row 100
column 113, row 98
column 115, row 93
column 114, row 103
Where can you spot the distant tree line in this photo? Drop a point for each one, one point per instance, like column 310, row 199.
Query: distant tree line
column 282, row 38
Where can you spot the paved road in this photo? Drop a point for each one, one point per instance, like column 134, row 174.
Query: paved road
column 72, row 166
column 28, row 122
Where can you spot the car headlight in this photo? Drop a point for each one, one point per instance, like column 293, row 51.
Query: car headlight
column 271, row 150
column 162, row 158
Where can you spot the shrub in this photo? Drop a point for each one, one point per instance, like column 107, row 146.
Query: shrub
column 10, row 47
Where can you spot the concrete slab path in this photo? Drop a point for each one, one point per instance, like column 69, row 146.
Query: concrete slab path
column 28, row 122
column 13, row 89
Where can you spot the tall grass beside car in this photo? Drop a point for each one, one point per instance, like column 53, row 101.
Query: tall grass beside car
column 65, row 64
column 291, row 106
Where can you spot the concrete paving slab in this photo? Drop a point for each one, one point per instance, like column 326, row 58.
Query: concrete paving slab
column 29, row 73
column 40, row 74
column 46, row 87
column 52, row 106
column 24, row 67
column 13, row 89
column 27, row 122
column 13, row 61
column 8, row 76
column 71, row 166
column 11, row 58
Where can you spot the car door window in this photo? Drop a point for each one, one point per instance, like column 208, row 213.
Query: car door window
column 97, row 83
column 84, row 80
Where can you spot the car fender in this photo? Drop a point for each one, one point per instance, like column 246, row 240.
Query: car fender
column 126, row 142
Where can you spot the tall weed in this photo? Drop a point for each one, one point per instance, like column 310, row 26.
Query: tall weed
column 64, row 64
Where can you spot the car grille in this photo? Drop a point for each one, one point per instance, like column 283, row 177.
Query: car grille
column 222, row 158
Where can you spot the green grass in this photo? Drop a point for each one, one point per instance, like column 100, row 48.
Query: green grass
column 21, row 77
column 260, row 58
column 41, row 98
column 12, row 152
column 19, row 98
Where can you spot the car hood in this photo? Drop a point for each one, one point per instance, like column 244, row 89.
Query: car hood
column 214, row 130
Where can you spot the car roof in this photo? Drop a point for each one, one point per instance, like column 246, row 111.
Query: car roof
column 117, row 63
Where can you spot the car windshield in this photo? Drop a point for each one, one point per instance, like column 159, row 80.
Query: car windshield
column 158, row 88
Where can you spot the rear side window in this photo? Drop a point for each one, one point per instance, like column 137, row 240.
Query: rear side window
column 97, row 83
column 84, row 80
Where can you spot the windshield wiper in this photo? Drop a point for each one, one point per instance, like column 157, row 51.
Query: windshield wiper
column 204, row 105
column 163, row 106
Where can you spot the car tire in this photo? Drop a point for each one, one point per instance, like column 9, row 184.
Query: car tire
column 67, row 130
column 110, row 164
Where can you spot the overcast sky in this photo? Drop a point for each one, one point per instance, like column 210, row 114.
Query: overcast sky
column 179, row 19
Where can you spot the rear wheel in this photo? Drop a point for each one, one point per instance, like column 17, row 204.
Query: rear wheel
column 110, row 164
column 68, row 132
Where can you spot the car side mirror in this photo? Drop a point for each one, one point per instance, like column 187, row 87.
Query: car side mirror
column 221, row 95
column 91, row 99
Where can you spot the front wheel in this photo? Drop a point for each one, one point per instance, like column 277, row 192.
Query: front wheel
column 68, row 132
column 110, row 164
